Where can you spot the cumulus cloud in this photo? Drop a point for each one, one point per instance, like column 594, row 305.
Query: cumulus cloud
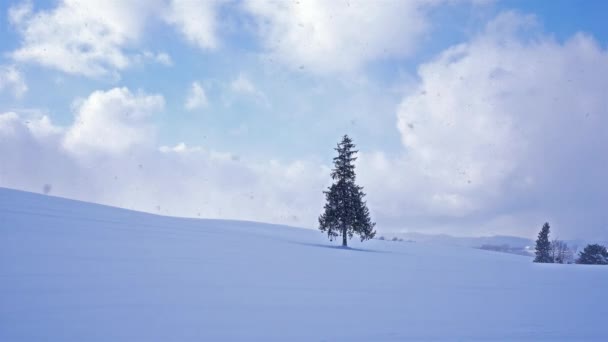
column 197, row 98
column 96, row 38
column 113, row 121
column 196, row 21
column 12, row 80
column 29, row 154
column 163, row 58
column 149, row 56
column 107, row 155
column 180, row 148
column 327, row 36
column 242, row 84
column 508, row 125
column 89, row 38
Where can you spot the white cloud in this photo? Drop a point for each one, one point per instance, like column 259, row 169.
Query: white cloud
column 88, row 38
column 113, row 121
column 29, row 153
column 41, row 127
column 8, row 123
column 36, row 124
column 242, row 84
column 163, row 58
column 327, row 36
column 180, row 148
column 196, row 21
column 97, row 38
column 196, row 97
column 149, row 56
column 179, row 180
column 12, row 80
column 510, row 124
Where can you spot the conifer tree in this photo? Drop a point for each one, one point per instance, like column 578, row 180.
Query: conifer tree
column 543, row 246
column 593, row 255
column 345, row 211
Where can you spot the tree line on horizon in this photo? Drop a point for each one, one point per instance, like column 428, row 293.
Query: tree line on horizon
column 557, row 251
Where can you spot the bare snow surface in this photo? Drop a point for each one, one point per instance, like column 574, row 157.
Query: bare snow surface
column 73, row 271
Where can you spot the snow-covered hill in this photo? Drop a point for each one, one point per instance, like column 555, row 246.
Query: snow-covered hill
column 73, row 271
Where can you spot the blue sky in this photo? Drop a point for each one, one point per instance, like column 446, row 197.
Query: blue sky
column 263, row 90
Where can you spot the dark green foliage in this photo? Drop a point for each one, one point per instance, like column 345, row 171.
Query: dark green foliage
column 593, row 255
column 345, row 211
column 543, row 246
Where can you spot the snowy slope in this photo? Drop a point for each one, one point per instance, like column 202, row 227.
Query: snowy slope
column 72, row 271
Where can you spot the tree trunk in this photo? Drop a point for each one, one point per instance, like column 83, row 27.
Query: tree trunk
column 344, row 237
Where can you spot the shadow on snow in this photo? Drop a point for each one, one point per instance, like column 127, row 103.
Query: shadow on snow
column 338, row 247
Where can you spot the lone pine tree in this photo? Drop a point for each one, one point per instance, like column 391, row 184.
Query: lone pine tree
column 345, row 212
column 543, row 246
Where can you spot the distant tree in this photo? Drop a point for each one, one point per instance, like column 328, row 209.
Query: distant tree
column 345, row 211
column 553, row 249
column 593, row 255
column 47, row 188
column 381, row 238
column 395, row 239
column 560, row 253
column 543, row 246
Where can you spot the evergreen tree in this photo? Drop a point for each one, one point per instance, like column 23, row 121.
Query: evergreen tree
column 543, row 246
column 593, row 255
column 345, row 211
